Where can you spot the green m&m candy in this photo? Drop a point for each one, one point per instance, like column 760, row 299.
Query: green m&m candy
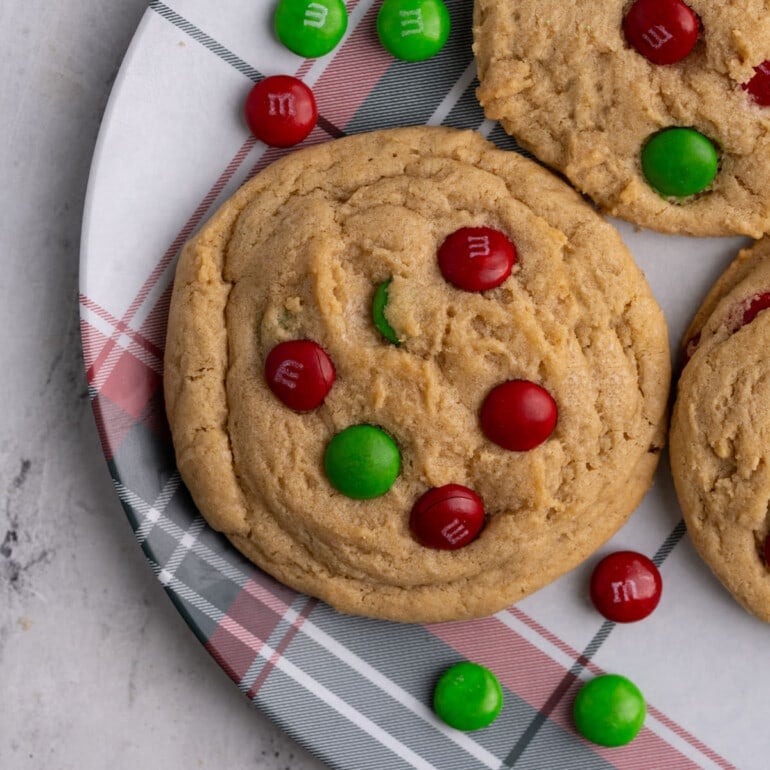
column 609, row 710
column 310, row 28
column 362, row 462
column 413, row 30
column 679, row 162
column 468, row 696
column 378, row 313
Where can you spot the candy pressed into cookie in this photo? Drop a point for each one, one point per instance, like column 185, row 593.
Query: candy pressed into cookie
column 414, row 375
column 659, row 110
column 720, row 430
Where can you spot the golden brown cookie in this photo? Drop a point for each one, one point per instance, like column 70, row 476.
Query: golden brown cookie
column 720, row 429
column 297, row 254
column 566, row 81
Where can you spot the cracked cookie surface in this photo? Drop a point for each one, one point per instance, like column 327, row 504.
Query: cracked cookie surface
column 564, row 81
column 720, row 429
column 298, row 253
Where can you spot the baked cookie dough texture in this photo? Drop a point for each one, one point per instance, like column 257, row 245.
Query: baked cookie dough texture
column 720, row 430
column 562, row 79
column 297, row 253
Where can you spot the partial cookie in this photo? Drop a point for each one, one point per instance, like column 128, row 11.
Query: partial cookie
column 568, row 83
column 720, row 429
column 300, row 253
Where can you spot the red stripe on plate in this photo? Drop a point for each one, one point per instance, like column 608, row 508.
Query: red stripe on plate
column 282, row 646
column 131, row 384
column 154, row 327
column 362, row 64
column 117, row 325
column 244, row 630
column 691, row 739
column 553, row 639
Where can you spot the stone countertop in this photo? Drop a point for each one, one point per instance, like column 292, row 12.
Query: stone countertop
column 97, row 669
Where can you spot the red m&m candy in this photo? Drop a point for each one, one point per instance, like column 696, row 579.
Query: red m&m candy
column 518, row 415
column 741, row 316
column 759, row 86
column 690, row 347
column 663, row 31
column 281, row 110
column 447, row 517
column 300, row 374
column 756, row 305
column 476, row 258
column 746, row 311
column 626, row 586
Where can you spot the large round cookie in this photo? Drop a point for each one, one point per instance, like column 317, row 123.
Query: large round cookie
column 720, row 429
column 297, row 253
column 563, row 80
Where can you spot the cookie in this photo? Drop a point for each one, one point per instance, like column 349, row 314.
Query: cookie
column 680, row 147
column 720, row 429
column 327, row 466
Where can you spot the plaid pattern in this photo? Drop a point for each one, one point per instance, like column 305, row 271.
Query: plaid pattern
column 355, row 691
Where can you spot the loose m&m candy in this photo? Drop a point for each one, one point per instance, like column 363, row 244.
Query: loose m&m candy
column 468, row 696
column 663, row 31
column 679, row 162
column 518, row 415
column 609, row 710
column 413, row 30
column 311, row 28
column 299, row 373
column 759, row 86
column 476, row 258
column 626, row 586
column 447, row 517
column 281, row 111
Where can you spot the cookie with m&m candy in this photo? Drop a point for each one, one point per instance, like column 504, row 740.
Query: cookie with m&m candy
column 720, row 450
column 414, row 375
column 659, row 110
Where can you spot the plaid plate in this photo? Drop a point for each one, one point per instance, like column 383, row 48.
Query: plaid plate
column 356, row 692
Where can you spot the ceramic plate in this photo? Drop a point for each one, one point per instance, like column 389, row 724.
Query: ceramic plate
column 357, row 692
